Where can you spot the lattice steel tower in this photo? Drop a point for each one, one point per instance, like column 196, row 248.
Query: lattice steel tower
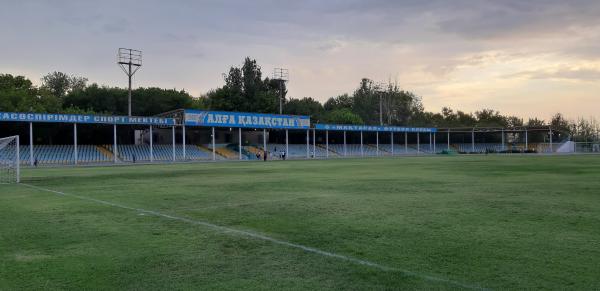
column 130, row 61
column 282, row 76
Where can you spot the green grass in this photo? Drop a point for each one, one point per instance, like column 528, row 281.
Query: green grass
column 484, row 221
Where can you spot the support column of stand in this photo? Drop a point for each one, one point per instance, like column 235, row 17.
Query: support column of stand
column 75, row 152
column 392, row 141
column 308, row 144
column 551, row 146
column 473, row 141
column 115, row 143
column 31, row 160
column 406, row 142
column 377, row 142
column 314, row 143
column 327, row 143
column 264, row 142
column 173, row 139
column 345, row 152
column 526, row 140
column 287, row 148
column 418, row 143
column 183, row 141
column 151, row 144
column 214, row 151
column 240, row 143
column 503, row 141
column 362, row 152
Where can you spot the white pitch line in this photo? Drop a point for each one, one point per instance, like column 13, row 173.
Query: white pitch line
column 269, row 239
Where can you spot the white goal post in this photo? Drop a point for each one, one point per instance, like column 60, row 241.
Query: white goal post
column 10, row 170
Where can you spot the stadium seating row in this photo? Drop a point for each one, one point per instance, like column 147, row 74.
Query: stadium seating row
column 498, row 147
column 64, row 154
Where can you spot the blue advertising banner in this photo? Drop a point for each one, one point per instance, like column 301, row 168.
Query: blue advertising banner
column 248, row 120
column 83, row 118
column 340, row 127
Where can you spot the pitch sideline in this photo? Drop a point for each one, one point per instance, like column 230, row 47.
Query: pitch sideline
column 250, row 234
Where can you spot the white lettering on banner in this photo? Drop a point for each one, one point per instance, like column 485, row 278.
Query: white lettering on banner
column 234, row 119
column 373, row 128
column 80, row 118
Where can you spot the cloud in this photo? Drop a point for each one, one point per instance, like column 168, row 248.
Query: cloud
column 441, row 49
column 521, row 19
column 331, row 46
column 119, row 25
column 571, row 74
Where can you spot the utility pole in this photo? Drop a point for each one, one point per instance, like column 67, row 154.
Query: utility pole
column 381, row 87
column 380, row 108
column 282, row 76
column 130, row 61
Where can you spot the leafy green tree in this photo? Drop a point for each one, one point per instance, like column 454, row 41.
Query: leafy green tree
column 100, row 99
column 339, row 102
column 585, row 130
column 17, row 93
column 60, row 84
column 342, row 116
column 537, row 135
column 490, row 118
column 400, row 106
column 113, row 100
column 305, row 106
column 153, row 100
column 245, row 90
column 561, row 127
column 366, row 102
column 199, row 103
column 513, row 121
column 535, row 122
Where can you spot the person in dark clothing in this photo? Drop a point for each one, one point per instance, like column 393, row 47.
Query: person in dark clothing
column 35, row 162
column 265, row 155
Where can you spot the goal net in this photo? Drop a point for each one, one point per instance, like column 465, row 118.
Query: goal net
column 9, row 160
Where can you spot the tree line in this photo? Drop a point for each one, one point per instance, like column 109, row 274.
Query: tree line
column 246, row 90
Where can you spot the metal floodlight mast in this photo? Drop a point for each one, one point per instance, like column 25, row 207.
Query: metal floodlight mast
column 281, row 75
column 381, row 89
column 130, row 61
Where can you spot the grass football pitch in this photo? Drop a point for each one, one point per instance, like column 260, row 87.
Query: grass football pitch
column 465, row 222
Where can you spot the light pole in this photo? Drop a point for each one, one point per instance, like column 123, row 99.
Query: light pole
column 130, row 61
column 380, row 89
column 281, row 75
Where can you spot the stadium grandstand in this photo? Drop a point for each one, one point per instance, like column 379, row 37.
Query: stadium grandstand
column 191, row 135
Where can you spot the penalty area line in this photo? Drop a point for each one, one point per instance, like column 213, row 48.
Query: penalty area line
column 259, row 236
